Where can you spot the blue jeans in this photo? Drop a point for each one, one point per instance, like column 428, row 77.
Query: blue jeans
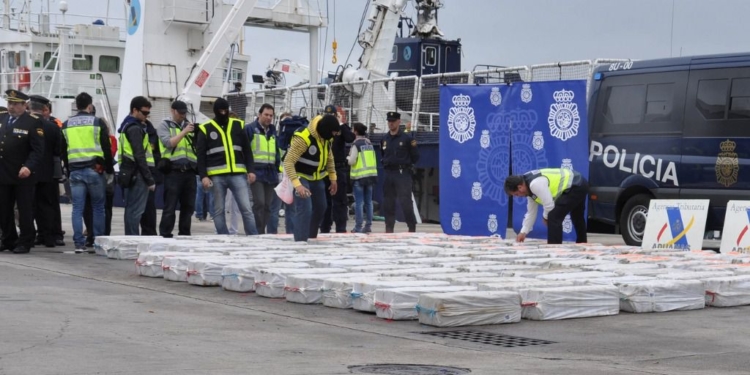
column 362, row 202
column 199, row 195
column 273, row 220
column 237, row 184
column 85, row 182
column 308, row 212
column 136, row 198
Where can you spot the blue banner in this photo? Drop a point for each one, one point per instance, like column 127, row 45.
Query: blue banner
column 488, row 132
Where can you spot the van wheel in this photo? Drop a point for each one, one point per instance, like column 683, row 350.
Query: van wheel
column 633, row 219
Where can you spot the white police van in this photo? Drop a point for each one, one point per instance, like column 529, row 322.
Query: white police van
column 676, row 128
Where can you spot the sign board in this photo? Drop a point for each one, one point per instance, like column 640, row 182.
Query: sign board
column 736, row 233
column 675, row 224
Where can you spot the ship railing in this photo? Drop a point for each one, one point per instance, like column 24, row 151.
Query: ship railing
column 279, row 98
column 353, row 97
column 46, row 24
column 305, row 101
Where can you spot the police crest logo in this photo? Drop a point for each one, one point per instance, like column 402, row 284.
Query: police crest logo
column 567, row 164
column 492, row 223
column 567, row 224
column 456, row 221
column 526, row 93
column 538, row 141
column 495, row 97
column 563, row 116
column 40, row 132
column 461, row 120
column 476, row 191
column 456, row 169
column 727, row 164
column 214, row 136
column 484, row 140
column 313, row 150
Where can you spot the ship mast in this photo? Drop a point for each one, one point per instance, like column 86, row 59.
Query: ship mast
column 6, row 14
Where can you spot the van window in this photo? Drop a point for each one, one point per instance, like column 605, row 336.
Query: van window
column 711, row 99
column 625, row 104
column 739, row 104
column 659, row 102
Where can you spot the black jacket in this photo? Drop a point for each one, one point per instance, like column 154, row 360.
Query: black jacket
column 52, row 144
column 338, row 147
column 21, row 145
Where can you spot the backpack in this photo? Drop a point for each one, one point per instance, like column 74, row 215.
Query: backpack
column 287, row 129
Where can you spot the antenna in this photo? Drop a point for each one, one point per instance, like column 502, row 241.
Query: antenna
column 63, row 9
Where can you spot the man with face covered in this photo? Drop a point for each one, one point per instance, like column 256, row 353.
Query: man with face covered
column 307, row 162
column 225, row 161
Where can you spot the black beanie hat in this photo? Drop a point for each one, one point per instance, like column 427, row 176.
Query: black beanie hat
column 327, row 125
column 221, row 104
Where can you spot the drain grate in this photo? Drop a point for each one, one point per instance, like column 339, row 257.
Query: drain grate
column 489, row 338
column 401, row 369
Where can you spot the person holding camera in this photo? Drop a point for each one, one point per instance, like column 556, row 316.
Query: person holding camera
column 179, row 163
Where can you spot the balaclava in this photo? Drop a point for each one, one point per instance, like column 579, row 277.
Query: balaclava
column 327, row 125
column 221, row 111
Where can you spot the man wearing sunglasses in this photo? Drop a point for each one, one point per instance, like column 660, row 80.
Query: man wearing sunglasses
column 135, row 158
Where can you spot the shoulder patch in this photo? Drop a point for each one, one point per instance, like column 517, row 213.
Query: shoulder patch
column 413, row 143
column 33, row 115
column 40, row 131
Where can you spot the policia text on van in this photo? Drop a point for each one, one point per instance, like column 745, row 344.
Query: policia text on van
column 674, row 128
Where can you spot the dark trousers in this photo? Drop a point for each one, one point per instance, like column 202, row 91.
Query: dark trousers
column 397, row 186
column 88, row 216
column 47, row 211
column 573, row 202
column 148, row 219
column 179, row 187
column 23, row 195
column 337, row 210
column 263, row 194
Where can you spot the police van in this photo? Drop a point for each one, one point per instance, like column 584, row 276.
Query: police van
column 676, row 128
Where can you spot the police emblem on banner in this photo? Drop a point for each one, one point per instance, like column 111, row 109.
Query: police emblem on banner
column 492, row 166
column 567, row 224
column 567, row 164
column 456, row 221
column 727, row 164
column 563, row 116
column 538, row 141
column 461, row 120
column 495, row 97
column 526, row 93
column 492, row 223
column 456, row 169
column 484, row 140
column 476, row 191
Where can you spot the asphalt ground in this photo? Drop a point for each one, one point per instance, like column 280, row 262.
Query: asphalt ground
column 63, row 313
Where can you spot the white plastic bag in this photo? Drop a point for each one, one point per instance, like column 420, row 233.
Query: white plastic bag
column 285, row 190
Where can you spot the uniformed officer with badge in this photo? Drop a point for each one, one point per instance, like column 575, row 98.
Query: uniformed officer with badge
column 21, row 151
column 400, row 153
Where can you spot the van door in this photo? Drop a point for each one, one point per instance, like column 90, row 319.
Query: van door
column 716, row 146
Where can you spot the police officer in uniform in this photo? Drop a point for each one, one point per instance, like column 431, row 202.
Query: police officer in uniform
column 21, row 151
column 560, row 192
column 400, row 153
column 47, row 201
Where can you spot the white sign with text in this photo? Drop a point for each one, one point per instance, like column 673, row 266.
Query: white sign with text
column 675, row 224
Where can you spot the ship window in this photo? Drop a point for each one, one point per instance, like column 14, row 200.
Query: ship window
column 49, row 61
column 83, row 62
column 12, row 59
column 109, row 64
column 430, row 56
column 739, row 105
column 394, row 54
column 712, row 98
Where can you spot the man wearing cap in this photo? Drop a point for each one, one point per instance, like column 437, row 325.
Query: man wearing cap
column 21, row 151
column 87, row 159
column 179, row 164
column 225, row 162
column 262, row 135
column 337, row 206
column 237, row 101
column 307, row 162
column 47, row 191
column 400, row 153
column 57, row 174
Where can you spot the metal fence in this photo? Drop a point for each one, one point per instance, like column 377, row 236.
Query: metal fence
column 416, row 98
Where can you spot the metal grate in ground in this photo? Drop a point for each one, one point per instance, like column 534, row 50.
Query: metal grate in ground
column 489, row 338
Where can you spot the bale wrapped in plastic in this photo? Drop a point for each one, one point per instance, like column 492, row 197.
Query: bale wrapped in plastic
column 401, row 303
column 727, row 291
column 570, row 302
column 270, row 282
column 363, row 291
column 661, row 295
column 458, row 309
column 241, row 277
column 308, row 288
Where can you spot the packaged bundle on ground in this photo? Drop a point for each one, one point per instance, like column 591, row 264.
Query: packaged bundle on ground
column 241, row 277
column 661, row 296
column 509, row 257
column 432, row 262
column 458, row 309
column 401, row 303
column 125, row 249
column 516, row 284
column 363, row 291
column 453, row 276
column 691, row 275
column 570, row 302
column 617, row 280
column 500, row 268
column 150, row 264
column 418, row 271
column 308, row 288
column 208, row 271
column 727, row 291
column 345, row 263
column 270, row 282
column 571, row 276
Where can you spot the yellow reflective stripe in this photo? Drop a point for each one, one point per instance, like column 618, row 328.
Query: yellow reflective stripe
column 366, row 165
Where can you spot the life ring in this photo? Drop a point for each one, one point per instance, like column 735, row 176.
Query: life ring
column 23, row 79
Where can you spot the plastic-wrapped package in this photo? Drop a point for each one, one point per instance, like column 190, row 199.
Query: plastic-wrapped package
column 534, row 273
column 345, row 263
column 241, row 277
column 208, row 271
column 124, row 250
column 469, row 308
column 570, row 302
column 515, row 284
column 500, row 268
column 454, row 276
column 363, row 291
column 570, row 276
column 727, row 291
column 470, row 280
column 149, row 264
column 270, row 282
column 690, row 275
column 510, row 257
column 661, row 296
column 432, row 262
column 308, row 288
column 469, row 264
column 620, row 267
column 401, row 303
column 418, row 271
column 337, row 292
column 617, row 280
column 379, row 267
